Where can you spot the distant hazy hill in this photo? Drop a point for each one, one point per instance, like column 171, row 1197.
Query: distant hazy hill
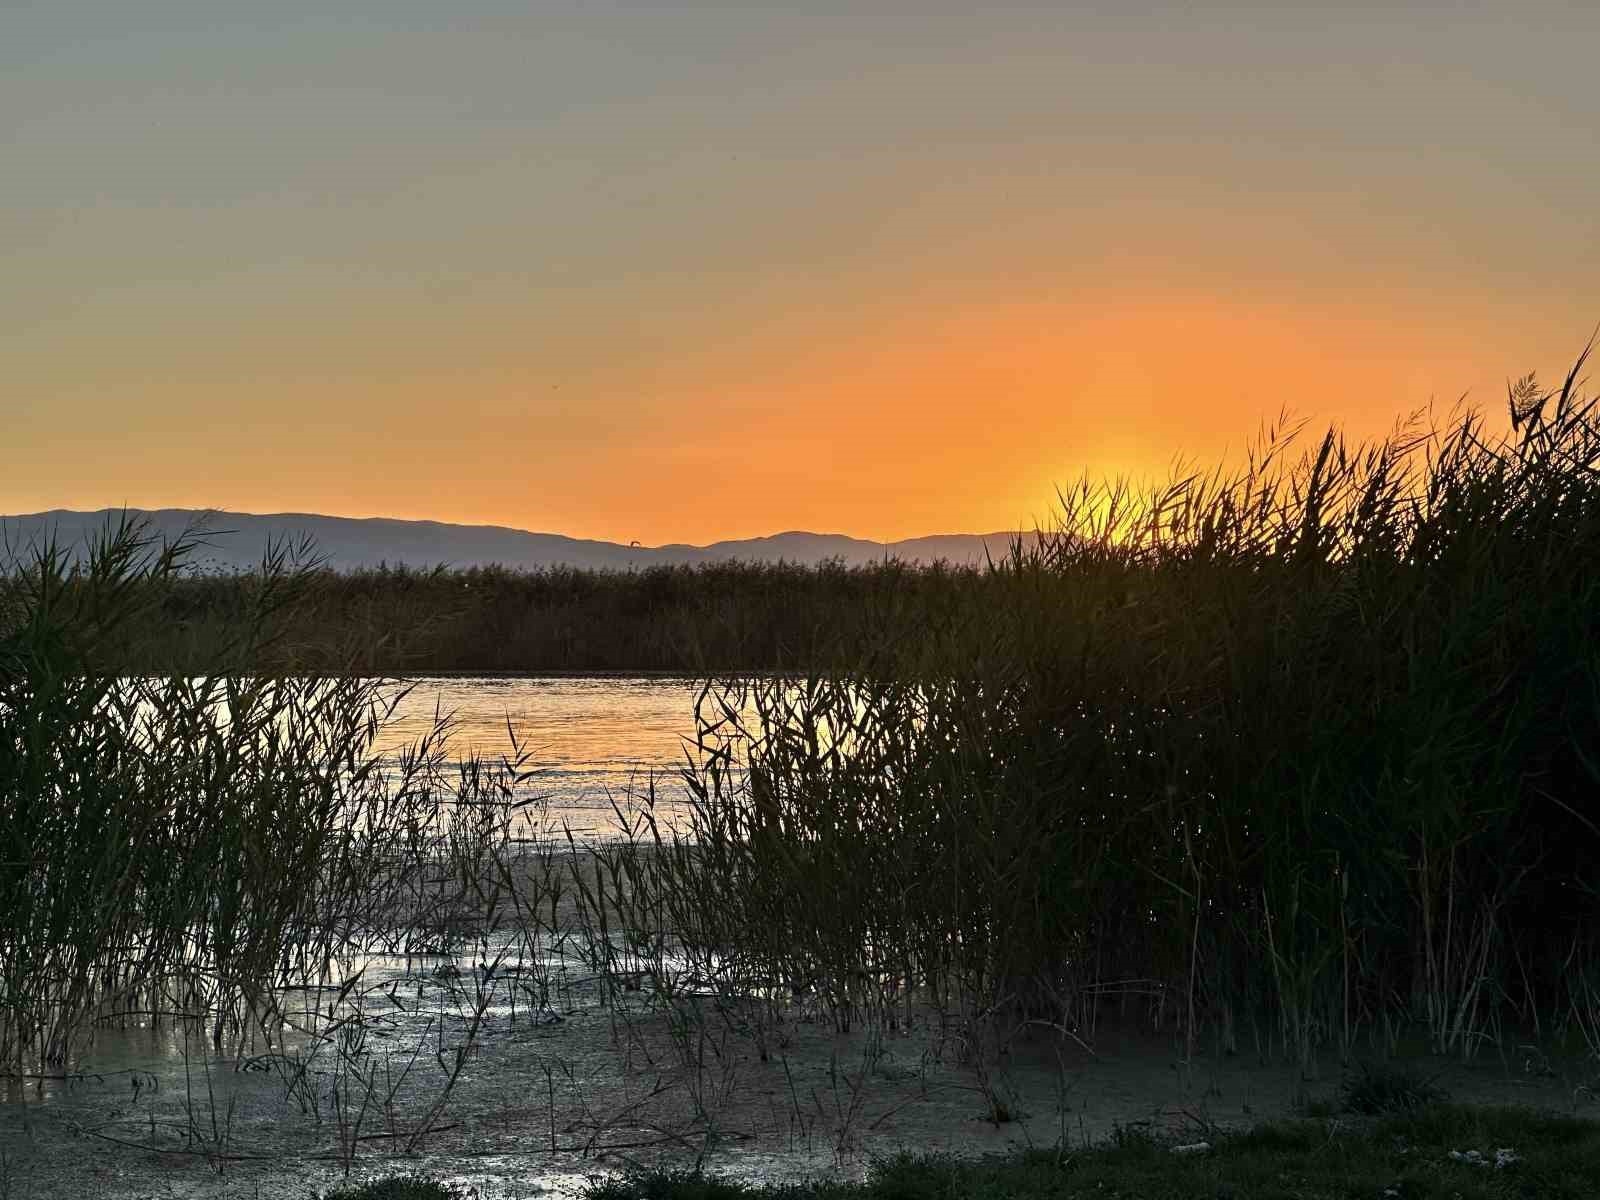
column 236, row 540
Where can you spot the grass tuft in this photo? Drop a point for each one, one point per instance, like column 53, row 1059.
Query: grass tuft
column 398, row 1187
column 1373, row 1091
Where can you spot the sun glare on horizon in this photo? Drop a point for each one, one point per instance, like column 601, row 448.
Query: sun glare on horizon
column 679, row 273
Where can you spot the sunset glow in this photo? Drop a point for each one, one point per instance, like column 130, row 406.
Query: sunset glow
column 684, row 272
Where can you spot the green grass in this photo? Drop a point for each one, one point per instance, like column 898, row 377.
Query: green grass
column 1397, row 1156
column 397, row 1187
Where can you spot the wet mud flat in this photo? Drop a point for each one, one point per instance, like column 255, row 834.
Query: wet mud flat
column 527, row 1078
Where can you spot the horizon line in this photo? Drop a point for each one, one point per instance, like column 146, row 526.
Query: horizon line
column 633, row 543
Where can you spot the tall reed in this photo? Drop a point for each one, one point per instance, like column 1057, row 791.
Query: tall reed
column 1301, row 752
column 178, row 846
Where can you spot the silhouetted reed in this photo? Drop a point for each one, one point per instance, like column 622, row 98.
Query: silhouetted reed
column 182, row 847
column 1285, row 757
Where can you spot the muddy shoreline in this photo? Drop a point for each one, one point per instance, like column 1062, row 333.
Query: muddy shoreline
column 519, row 1098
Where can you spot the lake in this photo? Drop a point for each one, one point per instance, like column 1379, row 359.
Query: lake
column 589, row 738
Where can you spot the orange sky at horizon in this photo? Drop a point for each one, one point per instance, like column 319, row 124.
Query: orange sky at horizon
column 937, row 421
column 683, row 273
column 953, row 422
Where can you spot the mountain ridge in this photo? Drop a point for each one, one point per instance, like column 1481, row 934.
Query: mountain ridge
column 235, row 541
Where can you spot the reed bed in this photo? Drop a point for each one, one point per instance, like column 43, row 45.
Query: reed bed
column 1288, row 759
column 721, row 617
column 186, row 848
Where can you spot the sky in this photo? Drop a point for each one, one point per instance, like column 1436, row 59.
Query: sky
column 683, row 272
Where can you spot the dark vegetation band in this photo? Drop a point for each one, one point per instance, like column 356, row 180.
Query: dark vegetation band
column 726, row 617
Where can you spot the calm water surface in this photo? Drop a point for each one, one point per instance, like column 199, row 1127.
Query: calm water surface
column 588, row 740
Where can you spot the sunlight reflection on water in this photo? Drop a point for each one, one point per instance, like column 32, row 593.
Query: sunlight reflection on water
column 589, row 739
